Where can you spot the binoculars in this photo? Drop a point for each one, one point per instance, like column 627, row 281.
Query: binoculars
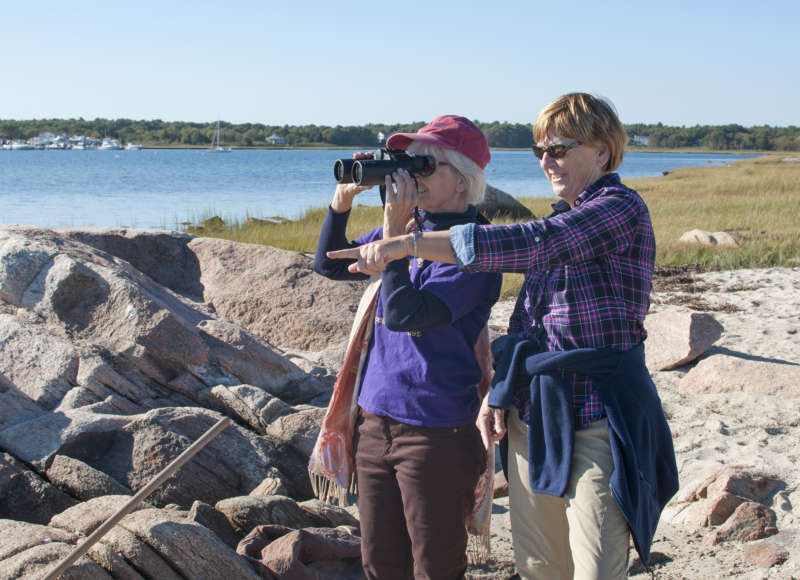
column 384, row 162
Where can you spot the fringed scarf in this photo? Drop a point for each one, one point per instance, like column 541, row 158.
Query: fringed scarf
column 479, row 520
column 331, row 466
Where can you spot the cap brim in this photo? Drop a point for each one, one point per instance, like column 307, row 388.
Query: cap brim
column 403, row 140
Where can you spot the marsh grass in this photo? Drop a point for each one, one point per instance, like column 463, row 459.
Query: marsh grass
column 756, row 200
column 299, row 236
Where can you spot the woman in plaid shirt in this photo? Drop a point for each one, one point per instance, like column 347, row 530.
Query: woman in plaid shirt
column 588, row 455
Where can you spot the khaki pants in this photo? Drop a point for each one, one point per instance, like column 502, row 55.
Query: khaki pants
column 581, row 535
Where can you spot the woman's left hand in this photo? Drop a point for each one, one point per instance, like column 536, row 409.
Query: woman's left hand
column 401, row 197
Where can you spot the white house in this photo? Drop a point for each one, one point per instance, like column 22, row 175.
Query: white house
column 276, row 139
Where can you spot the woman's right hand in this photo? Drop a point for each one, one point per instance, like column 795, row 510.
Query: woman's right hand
column 491, row 423
column 346, row 192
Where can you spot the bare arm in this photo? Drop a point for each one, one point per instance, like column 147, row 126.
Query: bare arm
column 332, row 235
column 372, row 258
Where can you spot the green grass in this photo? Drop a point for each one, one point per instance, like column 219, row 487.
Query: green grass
column 756, row 200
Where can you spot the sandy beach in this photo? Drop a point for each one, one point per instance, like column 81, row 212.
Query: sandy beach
column 759, row 310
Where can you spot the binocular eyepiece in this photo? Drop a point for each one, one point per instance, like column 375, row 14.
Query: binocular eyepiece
column 384, row 162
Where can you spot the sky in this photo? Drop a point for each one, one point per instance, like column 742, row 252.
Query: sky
column 332, row 62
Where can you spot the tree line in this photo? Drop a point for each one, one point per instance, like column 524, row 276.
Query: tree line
column 499, row 134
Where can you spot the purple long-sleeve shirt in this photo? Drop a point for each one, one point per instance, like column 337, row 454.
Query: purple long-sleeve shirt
column 588, row 275
column 421, row 367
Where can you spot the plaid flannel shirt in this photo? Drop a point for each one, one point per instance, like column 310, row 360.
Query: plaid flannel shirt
column 588, row 275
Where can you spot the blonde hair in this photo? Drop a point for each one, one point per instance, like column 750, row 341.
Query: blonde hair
column 585, row 118
column 473, row 176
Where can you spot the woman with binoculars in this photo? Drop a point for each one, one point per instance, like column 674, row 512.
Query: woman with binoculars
column 418, row 453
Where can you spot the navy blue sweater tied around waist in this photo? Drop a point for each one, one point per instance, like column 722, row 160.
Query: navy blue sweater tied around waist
column 645, row 473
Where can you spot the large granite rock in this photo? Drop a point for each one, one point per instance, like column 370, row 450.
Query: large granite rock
column 497, row 203
column 27, row 496
column 132, row 449
column 709, row 499
column 704, row 238
column 721, row 373
column 274, row 294
column 92, row 320
column 269, row 292
column 246, row 512
column 147, row 543
column 191, row 549
column 677, row 336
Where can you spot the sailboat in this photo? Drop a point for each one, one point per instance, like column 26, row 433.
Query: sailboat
column 216, row 145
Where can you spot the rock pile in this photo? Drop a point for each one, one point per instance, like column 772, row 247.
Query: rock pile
column 118, row 349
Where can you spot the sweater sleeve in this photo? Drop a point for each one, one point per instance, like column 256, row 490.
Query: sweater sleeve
column 407, row 308
column 332, row 236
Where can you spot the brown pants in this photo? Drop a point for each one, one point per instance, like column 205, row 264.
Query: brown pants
column 416, row 486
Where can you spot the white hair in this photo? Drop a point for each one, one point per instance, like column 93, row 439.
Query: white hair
column 473, row 176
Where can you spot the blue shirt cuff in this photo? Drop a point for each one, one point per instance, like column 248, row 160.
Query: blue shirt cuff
column 461, row 240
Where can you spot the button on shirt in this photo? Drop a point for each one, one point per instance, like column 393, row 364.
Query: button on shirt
column 588, row 275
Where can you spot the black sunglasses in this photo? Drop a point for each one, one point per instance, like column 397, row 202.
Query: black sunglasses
column 555, row 151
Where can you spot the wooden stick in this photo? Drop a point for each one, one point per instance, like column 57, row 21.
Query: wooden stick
column 163, row 475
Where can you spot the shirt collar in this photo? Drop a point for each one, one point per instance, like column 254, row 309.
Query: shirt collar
column 559, row 207
column 606, row 180
column 445, row 220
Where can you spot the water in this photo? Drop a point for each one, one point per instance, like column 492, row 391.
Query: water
column 161, row 188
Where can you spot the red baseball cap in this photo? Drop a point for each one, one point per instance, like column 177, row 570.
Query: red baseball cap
column 448, row 132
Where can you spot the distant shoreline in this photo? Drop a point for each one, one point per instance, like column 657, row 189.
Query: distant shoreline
column 682, row 150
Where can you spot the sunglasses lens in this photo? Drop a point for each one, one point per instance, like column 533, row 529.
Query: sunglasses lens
column 555, row 151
